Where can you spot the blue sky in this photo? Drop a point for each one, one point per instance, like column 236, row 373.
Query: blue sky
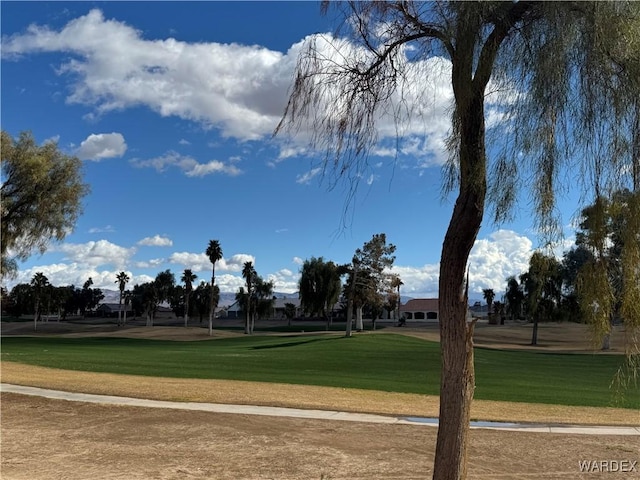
column 171, row 107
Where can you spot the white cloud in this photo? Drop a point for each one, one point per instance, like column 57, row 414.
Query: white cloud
column 495, row 258
column 189, row 166
column 155, row 262
column 53, row 139
column 64, row 274
column 94, row 254
column 229, row 283
column 492, row 260
column 156, row 241
column 419, row 282
column 298, row 260
column 105, row 229
column 199, row 262
column 284, row 281
column 236, row 262
column 242, row 90
column 102, row 145
column 305, row 178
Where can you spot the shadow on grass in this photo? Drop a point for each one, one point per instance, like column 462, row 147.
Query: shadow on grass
column 302, row 341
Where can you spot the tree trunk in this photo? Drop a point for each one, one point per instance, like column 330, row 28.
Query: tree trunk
column 457, row 382
column 352, row 295
column 186, row 310
column 35, row 316
column 534, row 334
column 359, row 325
column 606, row 339
column 212, row 308
column 120, row 310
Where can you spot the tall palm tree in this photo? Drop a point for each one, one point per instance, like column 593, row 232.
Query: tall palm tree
column 121, row 279
column 127, row 301
column 214, row 252
column 39, row 282
column 187, row 277
column 248, row 273
column 488, row 295
column 396, row 283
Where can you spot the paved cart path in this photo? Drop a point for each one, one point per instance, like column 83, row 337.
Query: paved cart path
column 311, row 414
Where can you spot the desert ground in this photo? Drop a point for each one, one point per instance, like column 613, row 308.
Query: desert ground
column 53, row 439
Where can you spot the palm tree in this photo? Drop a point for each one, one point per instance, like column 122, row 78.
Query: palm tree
column 187, row 277
column 127, row 301
column 488, row 295
column 396, row 283
column 248, row 273
column 39, row 282
column 214, row 252
column 121, row 279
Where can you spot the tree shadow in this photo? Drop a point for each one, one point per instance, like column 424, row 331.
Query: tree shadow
column 301, row 341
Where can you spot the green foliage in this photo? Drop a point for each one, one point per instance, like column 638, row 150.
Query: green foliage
column 370, row 271
column 609, row 280
column 379, row 362
column 542, row 286
column 514, row 298
column 41, row 194
column 202, row 298
column 188, row 277
column 319, row 286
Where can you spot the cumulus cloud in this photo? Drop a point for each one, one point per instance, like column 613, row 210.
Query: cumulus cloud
column 189, row 166
column 239, row 89
column 199, row 262
column 94, row 254
column 102, row 145
column 492, row 260
column 229, row 283
column 156, row 241
column 284, row 281
column 64, row 274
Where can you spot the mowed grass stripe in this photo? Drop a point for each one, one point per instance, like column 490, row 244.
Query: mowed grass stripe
column 386, row 362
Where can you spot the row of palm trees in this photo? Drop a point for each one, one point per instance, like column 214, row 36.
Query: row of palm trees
column 214, row 253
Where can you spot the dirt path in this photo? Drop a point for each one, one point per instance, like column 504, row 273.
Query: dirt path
column 52, row 439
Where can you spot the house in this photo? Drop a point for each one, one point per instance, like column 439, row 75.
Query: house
column 111, row 309
column 420, row 309
column 278, row 308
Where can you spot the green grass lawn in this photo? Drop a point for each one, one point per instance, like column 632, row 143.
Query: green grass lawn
column 380, row 362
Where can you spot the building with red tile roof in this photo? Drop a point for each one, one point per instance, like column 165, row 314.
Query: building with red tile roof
column 420, row 309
